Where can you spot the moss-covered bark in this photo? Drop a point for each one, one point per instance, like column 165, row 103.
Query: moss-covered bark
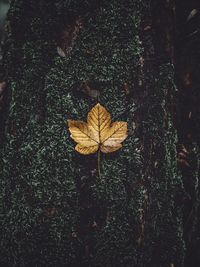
column 55, row 211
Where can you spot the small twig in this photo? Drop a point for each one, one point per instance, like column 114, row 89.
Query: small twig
column 99, row 163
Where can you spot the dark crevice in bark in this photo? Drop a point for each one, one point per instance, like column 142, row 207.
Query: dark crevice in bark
column 157, row 34
column 4, row 94
column 187, row 65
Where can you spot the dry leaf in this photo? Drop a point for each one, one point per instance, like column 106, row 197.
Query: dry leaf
column 86, row 89
column 147, row 28
column 60, row 52
column 192, row 14
column 98, row 133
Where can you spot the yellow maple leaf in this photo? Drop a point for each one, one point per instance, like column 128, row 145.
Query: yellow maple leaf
column 99, row 133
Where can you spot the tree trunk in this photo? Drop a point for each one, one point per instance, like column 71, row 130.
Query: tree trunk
column 60, row 59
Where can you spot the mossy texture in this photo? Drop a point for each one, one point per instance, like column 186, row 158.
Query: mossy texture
column 55, row 211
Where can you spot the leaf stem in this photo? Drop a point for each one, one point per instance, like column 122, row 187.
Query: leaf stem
column 99, row 163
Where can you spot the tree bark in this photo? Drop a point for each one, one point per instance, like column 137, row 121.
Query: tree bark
column 60, row 59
